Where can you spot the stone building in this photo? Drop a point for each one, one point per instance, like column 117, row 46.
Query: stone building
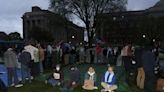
column 60, row 27
column 121, row 27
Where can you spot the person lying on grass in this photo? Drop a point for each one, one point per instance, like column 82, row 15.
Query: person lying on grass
column 74, row 80
column 56, row 78
column 109, row 80
column 90, row 79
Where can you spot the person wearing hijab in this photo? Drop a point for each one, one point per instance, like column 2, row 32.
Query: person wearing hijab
column 109, row 81
column 56, row 78
column 90, row 79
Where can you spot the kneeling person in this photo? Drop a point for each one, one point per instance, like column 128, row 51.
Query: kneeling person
column 109, row 81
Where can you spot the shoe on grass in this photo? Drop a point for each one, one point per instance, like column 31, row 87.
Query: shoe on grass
column 18, row 85
column 95, row 87
column 12, row 85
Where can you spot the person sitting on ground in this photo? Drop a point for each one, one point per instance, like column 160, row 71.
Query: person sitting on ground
column 90, row 80
column 109, row 81
column 56, row 78
column 74, row 81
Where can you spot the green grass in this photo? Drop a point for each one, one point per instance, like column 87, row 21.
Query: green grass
column 38, row 84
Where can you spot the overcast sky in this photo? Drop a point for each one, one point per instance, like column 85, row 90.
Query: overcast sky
column 11, row 11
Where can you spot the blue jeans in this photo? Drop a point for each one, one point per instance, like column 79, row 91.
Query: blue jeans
column 3, row 86
column 53, row 82
column 26, row 73
column 12, row 74
column 66, row 89
column 41, row 67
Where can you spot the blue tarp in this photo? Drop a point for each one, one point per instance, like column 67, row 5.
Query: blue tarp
column 4, row 76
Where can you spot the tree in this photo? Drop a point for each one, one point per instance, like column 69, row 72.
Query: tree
column 14, row 36
column 87, row 10
column 4, row 36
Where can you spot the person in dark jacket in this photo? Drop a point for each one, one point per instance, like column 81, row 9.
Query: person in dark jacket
column 25, row 59
column 10, row 59
column 148, row 61
column 56, row 78
column 74, row 80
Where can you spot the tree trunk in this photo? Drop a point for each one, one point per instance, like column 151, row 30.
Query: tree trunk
column 89, row 31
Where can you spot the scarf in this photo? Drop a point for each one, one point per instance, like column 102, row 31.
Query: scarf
column 109, row 77
column 91, row 75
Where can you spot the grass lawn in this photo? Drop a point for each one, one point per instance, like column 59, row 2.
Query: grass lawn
column 38, row 84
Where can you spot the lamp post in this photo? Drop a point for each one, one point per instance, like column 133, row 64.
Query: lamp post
column 144, row 36
column 73, row 37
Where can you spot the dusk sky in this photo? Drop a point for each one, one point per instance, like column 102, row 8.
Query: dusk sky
column 11, row 11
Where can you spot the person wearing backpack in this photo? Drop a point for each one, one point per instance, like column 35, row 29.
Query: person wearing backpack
column 25, row 59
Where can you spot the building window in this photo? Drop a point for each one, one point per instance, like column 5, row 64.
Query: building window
column 38, row 22
column 28, row 22
column 33, row 22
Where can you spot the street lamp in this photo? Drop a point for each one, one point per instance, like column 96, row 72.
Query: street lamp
column 114, row 18
column 153, row 40
column 122, row 17
column 73, row 37
column 144, row 36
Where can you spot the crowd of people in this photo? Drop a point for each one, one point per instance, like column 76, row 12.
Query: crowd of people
column 33, row 59
column 108, row 81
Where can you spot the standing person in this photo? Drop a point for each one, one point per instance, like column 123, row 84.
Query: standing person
column 81, row 54
column 109, row 81
column 141, row 73
column 148, row 61
column 11, row 64
column 25, row 59
column 110, row 55
column 126, row 54
column 105, row 58
column 98, row 53
column 56, row 78
column 34, row 65
column 57, row 55
column 41, row 58
column 156, row 51
column 36, row 62
column 115, row 55
column 72, row 56
column 3, row 87
column 49, row 51
column 90, row 79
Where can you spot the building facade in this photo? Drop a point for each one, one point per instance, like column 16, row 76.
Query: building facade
column 47, row 21
column 131, row 26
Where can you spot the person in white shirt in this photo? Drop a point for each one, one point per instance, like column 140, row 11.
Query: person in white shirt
column 34, row 59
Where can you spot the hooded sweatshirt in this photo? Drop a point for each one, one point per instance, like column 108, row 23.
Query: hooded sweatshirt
column 10, row 58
